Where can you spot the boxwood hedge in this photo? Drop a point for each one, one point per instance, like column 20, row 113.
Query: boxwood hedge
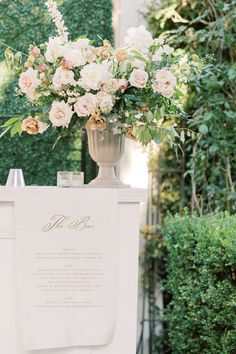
column 201, row 266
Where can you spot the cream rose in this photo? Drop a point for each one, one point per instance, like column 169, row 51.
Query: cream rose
column 86, row 105
column 111, row 86
column 62, row 78
column 28, row 82
column 60, row 114
column 75, row 57
column 138, row 78
column 105, row 102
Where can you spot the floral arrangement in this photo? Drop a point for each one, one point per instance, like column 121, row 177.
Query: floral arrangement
column 136, row 89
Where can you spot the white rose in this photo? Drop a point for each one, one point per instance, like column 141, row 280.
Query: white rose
column 28, row 82
column 60, row 114
column 105, row 102
column 111, row 86
column 62, row 78
column 75, row 57
column 139, row 38
column 81, row 43
column 164, row 82
column 94, row 75
column 138, row 78
column 86, row 105
column 55, row 49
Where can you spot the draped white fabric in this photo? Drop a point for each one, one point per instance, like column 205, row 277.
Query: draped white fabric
column 67, row 268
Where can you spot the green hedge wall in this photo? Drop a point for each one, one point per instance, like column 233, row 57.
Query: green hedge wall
column 21, row 23
column 201, row 266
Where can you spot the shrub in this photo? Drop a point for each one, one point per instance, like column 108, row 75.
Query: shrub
column 201, row 265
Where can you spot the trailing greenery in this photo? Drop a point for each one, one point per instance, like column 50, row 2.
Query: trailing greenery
column 201, row 264
column 209, row 28
column 23, row 22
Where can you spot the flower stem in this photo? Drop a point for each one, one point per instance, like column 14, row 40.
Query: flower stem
column 17, row 51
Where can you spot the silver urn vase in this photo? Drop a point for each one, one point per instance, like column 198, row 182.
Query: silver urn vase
column 106, row 149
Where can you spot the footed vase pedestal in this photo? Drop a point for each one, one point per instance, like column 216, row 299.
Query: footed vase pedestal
column 106, row 149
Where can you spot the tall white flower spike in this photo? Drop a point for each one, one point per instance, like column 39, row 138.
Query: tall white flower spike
column 57, row 18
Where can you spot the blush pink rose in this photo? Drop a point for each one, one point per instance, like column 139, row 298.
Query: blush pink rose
column 123, row 84
column 28, row 82
column 138, row 78
column 86, row 105
column 60, row 114
column 35, row 52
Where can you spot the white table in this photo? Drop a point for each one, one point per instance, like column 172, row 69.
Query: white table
column 124, row 341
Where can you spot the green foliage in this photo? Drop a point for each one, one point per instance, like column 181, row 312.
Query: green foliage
column 23, row 22
column 201, row 266
column 208, row 28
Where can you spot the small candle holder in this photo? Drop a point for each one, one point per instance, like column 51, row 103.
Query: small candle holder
column 77, row 179
column 63, row 179
column 66, row 179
